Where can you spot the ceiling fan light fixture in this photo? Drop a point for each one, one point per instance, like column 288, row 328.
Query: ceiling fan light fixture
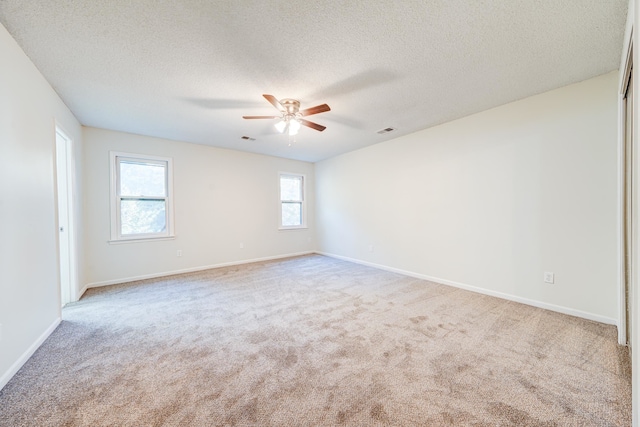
column 281, row 125
column 294, row 127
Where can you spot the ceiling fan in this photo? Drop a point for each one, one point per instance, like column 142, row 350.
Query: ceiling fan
column 290, row 115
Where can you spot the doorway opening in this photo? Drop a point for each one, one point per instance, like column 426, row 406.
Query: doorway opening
column 64, row 175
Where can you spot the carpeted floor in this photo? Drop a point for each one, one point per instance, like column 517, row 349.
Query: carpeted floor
column 316, row 341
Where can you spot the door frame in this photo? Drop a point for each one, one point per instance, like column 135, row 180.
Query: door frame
column 70, row 178
column 623, row 339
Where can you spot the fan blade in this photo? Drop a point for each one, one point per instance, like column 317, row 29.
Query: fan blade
column 260, row 117
column 315, row 110
column 272, row 99
column 312, row 125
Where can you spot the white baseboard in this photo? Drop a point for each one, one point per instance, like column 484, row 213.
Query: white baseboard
column 6, row 377
column 527, row 301
column 82, row 291
column 188, row 270
column 509, row 297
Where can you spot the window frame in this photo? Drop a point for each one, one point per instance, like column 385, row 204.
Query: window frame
column 116, row 157
column 303, row 201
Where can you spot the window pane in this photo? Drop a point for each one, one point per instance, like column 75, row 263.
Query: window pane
column 291, row 214
column 140, row 179
column 290, row 188
column 143, row 216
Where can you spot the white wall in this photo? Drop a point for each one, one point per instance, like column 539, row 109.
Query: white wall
column 29, row 287
column 491, row 201
column 222, row 198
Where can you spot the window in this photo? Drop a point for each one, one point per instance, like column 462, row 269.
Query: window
column 140, row 197
column 292, row 204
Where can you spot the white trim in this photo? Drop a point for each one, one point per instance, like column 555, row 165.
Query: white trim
column 630, row 32
column 190, row 270
column 6, row 377
column 82, row 291
column 140, row 240
column 73, row 235
column 509, row 297
column 114, row 197
column 71, row 205
column 303, row 202
column 626, row 62
column 72, row 200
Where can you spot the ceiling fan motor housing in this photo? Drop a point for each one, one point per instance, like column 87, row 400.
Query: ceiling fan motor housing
column 291, row 106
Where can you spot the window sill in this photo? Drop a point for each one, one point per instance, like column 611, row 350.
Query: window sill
column 140, row 240
column 302, row 227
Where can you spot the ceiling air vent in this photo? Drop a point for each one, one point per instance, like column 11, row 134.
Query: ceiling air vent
column 247, row 138
column 386, row 130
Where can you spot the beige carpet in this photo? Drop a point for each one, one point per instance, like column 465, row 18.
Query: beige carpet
column 316, row 341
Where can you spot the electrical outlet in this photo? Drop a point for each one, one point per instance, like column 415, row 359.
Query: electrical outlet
column 370, row 248
column 548, row 277
column 241, row 245
column 179, row 252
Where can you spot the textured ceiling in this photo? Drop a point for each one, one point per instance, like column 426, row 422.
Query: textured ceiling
column 189, row 70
